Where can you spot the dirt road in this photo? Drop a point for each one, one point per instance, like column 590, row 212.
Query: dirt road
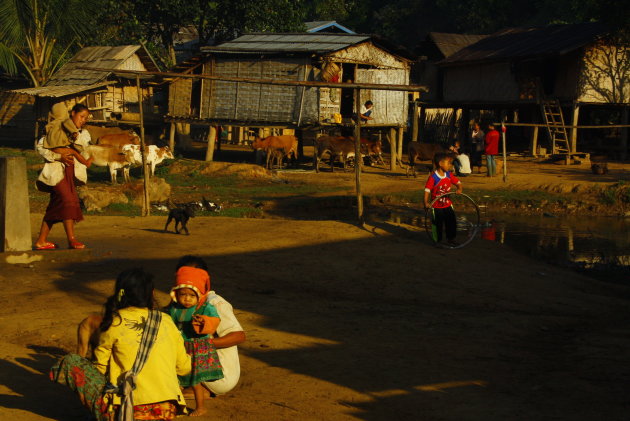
column 343, row 323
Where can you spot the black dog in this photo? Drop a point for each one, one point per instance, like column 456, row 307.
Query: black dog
column 181, row 216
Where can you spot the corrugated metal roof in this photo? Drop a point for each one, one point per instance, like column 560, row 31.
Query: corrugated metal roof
column 59, row 91
column 528, row 42
column 320, row 25
column 101, row 57
column 449, row 44
column 302, row 42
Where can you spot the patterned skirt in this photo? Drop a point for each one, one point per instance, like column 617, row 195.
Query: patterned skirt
column 80, row 375
column 206, row 366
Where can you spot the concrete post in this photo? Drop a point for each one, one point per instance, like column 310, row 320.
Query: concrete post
column 15, row 221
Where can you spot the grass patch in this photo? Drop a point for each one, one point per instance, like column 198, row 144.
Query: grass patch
column 32, row 157
column 123, row 209
column 617, row 193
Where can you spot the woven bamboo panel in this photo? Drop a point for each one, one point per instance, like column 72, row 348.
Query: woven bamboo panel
column 179, row 96
column 254, row 102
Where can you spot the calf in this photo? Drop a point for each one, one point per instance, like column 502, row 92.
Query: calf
column 337, row 147
column 288, row 143
column 113, row 158
column 373, row 149
column 422, row 152
column 154, row 155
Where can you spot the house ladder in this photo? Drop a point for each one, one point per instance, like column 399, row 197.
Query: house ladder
column 552, row 113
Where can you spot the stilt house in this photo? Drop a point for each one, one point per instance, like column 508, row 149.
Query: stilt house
column 542, row 74
column 296, row 57
column 110, row 98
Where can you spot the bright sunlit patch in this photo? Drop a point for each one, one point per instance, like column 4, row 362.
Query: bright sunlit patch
column 439, row 387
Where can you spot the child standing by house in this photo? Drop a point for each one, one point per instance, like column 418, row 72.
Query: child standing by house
column 439, row 183
column 197, row 321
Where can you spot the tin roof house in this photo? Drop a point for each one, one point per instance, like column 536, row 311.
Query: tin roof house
column 293, row 57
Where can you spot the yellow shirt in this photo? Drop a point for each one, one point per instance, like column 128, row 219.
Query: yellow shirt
column 118, row 347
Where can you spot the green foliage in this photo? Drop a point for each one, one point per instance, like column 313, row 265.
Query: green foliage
column 617, row 193
column 36, row 35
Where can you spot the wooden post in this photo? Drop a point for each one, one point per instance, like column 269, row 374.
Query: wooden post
column 574, row 122
column 462, row 133
column 237, row 135
column 534, row 141
column 399, row 152
column 392, row 147
column 171, row 137
column 452, row 126
column 504, row 152
column 624, row 133
column 422, row 122
column 146, row 203
column 414, row 122
column 212, row 134
column 358, row 161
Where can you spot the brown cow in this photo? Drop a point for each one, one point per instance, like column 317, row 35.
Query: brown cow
column 337, row 147
column 422, row 152
column 96, row 132
column 112, row 157
column 119, row 139
column 288, row 143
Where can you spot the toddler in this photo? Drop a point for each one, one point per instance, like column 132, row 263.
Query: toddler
column 197, row 321
column 61, row 132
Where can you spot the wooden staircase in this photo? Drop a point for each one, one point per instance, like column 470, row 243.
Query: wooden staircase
column 552, row 113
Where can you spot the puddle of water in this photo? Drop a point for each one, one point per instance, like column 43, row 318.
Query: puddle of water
column 598, row 245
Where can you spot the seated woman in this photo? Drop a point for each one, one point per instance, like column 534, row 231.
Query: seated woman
column 131, row 326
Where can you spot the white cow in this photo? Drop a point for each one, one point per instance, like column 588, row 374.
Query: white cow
column 154, row 156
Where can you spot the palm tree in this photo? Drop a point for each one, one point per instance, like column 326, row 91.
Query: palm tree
column 36, row 35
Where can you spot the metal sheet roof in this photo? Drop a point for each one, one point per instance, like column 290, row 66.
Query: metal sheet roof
column 528, row 42
column 60, row 90
column 449, row 44
column 300, row 42
column 322, row 25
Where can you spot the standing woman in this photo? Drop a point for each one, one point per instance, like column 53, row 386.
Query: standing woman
column 132, row 330
column 58, row 178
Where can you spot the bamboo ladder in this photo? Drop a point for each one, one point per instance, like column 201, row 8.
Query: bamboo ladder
column 552, row 112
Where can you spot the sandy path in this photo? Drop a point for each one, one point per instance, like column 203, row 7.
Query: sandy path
column 344, row 323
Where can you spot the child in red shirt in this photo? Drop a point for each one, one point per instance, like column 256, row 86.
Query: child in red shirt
column 440, row 182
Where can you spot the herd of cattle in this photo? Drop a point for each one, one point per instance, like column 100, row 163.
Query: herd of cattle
column 119, row 149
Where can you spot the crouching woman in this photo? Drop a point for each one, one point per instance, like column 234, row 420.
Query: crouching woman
column 139, row 355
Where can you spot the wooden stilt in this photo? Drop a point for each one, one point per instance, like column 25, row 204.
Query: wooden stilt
column 574, row 122
column 399, row 146
column 171, row 137
column 393, row 149
column 624, row 133
column 212, row 135
column 415, row 122
column 146, row 204
column 358, row 161
column 534, row 141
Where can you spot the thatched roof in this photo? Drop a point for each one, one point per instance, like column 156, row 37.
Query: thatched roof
column 449, row 44
column 71, row 78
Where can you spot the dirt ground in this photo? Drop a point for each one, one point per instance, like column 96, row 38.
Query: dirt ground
column 343, row 323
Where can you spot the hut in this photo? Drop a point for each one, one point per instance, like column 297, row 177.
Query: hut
column 542, row 74
column 109, row 97
column 293, row 57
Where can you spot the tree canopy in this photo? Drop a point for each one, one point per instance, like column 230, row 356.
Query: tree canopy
column 36, row 35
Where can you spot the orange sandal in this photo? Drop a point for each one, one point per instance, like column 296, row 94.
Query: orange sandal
column 46, row 246
column 76, row 245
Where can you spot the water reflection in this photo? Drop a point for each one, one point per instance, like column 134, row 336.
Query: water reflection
column 589, row 243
